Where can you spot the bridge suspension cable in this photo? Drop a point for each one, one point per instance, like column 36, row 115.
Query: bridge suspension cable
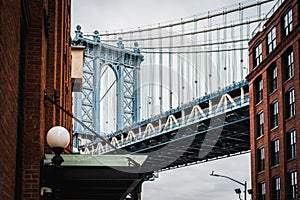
column 204, row 30
column 194, row 18
column 178, row 46
column 189, row 52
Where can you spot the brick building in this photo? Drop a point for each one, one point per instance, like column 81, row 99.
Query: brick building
column 274, row 105
column 35, row 57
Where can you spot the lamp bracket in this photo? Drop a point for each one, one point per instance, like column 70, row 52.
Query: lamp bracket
column 54, row 102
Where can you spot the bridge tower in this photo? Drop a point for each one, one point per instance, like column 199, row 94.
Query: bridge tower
column 125, row 65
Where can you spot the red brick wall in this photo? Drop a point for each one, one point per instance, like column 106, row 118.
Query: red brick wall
column 45, row 67
column 9, row 72
column 58, row 63
column 46, row 70
column 34, row 121
column 292, row 40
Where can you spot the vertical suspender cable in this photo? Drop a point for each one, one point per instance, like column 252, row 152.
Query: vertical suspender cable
column 160, row 72
column 233, row 61
column 224, row 53
column 188, row 79
column 153, row 74
column 259, row 13
column 219, row 69
column 246, row 64
column 206, row 80
column 242, row 43
column 210, row 53
column 170, row 69
column 149, row 98
column 178, row 79
column 195, row 65
column 182, row 74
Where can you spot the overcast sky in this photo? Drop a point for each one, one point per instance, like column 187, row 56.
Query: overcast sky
column 189, row 183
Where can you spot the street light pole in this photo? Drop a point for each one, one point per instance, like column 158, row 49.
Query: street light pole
column 227, row 177
column 58, row 138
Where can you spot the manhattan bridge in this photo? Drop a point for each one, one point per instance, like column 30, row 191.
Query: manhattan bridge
column 174, row 91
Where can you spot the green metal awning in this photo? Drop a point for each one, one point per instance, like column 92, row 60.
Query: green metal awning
column 109, row 177
column 99, row 160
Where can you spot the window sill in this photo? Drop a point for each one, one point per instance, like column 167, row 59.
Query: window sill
column 275, row 127
column 290, row 118
column 287, row 80
column 291, row 159
column 259, row 137
column 274, row 166
column 258, row 103
column 260, row 172
column 254, row 67
column 274, row 91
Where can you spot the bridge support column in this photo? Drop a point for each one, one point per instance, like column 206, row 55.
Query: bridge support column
column 120, row 99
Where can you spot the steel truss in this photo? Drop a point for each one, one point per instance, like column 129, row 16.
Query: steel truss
column 156, row 133
column 126, row 67
column 208, row 55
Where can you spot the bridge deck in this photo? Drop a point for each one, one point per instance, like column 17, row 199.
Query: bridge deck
column 213, row 127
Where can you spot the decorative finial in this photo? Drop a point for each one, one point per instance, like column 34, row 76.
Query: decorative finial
column 96, row 36
column 136, row 49
column 120, row 43
column 78, row 31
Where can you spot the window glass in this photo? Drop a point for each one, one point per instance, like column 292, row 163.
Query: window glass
column 271, row 40
column 290, row 103
column 275, row 188
column 274, row 114
column 257, row 54
column 291, row 144
column 260, row 124
column 287, row 22
column 293, row 186
column 275, row 152
column 261, row 159
column 273, row 78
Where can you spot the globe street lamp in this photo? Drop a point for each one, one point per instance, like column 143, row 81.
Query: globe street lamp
column 237, row 191
column 58, row 138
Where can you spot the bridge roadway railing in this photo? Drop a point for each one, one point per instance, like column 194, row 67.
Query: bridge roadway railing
column 156, row 127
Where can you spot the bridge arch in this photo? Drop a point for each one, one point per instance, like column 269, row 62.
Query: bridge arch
column 107, row 98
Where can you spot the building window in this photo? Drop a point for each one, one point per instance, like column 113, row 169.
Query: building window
column 261, row 159
column 274, row 114
column 259, row 90
column 260, row 124
column 292, row 185
column 291, row 144
column 261, row 193
column 290, row 103
column 257, row 54
column 273, row 78
column 288, row 63
column 275, row 152
column 287, row 23
column 275, row 188
column 271, row 40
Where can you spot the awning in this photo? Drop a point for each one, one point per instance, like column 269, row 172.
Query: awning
column 109, row 177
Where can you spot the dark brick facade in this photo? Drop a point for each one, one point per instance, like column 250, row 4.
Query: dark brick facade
column 9, row 69
column 35, row 57
column 262, row 71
